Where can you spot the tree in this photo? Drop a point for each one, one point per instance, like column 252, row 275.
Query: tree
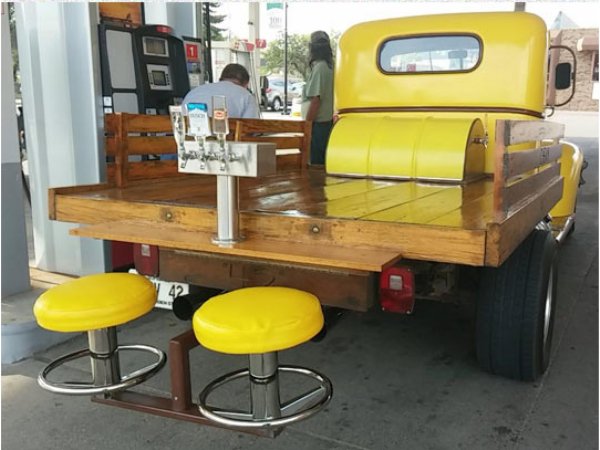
column 12, row 21
column 273, row 57
column 216, row 32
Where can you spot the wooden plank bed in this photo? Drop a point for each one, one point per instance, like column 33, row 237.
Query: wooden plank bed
column 307, row 218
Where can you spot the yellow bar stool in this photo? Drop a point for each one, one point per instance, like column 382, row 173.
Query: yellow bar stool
column 261, row 321
column 98, row 304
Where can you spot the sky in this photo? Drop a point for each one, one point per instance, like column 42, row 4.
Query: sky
column 307, row 16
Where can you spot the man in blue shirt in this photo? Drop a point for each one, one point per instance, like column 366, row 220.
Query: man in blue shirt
column 233, row 84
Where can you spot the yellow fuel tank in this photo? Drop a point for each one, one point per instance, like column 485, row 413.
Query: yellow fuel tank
column 425, row 148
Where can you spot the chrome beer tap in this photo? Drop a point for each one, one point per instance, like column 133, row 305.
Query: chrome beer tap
column 199, row 128
column 178, row 124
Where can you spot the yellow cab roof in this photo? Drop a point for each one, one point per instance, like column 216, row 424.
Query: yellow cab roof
column 511, row 72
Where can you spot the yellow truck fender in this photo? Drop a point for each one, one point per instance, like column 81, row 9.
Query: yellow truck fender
column 571, row 165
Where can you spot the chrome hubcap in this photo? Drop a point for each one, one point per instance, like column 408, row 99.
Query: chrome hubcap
column 548, row 306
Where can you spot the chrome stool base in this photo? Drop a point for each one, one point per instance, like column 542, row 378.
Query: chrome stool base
column 266, row 408
column 103, row 353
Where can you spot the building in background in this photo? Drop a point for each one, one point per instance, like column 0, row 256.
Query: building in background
column 584, row 42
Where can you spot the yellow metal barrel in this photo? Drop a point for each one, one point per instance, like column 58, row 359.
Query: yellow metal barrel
column 424, row 148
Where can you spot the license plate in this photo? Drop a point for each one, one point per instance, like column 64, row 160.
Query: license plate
column 166, row 291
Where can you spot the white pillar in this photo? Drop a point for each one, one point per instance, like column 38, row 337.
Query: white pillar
column 62, row 103
column 253, row 35
column 155, row 13
column 15, row 260
column 182, row 17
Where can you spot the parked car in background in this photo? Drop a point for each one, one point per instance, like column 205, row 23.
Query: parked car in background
column 296, row 88
column 275, row 94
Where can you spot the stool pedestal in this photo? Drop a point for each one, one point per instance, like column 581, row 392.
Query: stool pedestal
column 103, row 345
column 264, row 386
column 267, row 410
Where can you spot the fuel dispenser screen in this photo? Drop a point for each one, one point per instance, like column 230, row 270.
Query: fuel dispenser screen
column 159, row 78
column 155, row 46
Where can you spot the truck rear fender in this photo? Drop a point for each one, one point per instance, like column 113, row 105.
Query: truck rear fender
column 571, row 165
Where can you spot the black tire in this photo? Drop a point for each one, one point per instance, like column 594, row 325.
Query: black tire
column 277, row 104
column 515, row 310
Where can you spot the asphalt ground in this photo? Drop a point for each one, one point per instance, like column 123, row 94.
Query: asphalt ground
column 400, row 382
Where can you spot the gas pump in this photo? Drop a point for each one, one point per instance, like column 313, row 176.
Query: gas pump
column 144, row 69
column 194, row 55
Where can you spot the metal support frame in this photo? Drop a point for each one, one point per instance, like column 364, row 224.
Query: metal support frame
column 180, row 406
column 263, row 369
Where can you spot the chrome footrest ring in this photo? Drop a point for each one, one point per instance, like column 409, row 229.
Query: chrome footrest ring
column 292, row 411
column 126, row 382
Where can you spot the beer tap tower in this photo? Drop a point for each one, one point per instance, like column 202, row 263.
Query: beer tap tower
column 227, row 160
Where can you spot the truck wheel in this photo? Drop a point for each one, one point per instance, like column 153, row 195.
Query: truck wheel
column 515, row 310
column 276, row 104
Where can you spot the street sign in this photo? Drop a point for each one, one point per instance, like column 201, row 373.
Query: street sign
column 261, row 43
column 275, row 15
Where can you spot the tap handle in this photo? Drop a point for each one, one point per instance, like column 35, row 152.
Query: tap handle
column 198, row 120
column 220, row 123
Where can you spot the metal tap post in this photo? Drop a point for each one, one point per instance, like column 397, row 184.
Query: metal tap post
column 228, row 227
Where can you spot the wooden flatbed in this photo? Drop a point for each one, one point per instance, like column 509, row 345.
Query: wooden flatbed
column 307, row 219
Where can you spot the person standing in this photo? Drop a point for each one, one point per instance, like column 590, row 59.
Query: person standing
column 233, row 85
column 317, row 95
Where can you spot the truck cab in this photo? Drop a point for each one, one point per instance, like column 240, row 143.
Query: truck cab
column 409, row 90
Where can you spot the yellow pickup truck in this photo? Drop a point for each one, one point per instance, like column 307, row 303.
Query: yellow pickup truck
column 434, row 99
column 443, row 180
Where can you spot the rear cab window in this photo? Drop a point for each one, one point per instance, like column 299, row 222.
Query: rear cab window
column 430, row 54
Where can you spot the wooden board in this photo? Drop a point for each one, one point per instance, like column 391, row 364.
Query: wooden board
column 525, row 160
column 517, row 131
column 369, row 260
column 344, row 288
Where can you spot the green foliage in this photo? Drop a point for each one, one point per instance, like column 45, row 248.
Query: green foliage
column 216, row 32
column 297, row 55
column 273, row 56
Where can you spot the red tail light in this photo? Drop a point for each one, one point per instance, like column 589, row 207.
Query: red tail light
column 145, row 258
column 269, row 90
column 397, row 290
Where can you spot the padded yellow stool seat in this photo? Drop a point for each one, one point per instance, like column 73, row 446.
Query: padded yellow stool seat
column 97, row 304
column 95, row 301
column 258, row 320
